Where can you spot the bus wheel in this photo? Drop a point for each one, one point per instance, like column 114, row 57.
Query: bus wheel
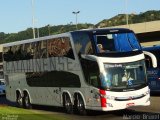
column 27, row 103
column 19, row 100
column 80, row 106
column 67, row 104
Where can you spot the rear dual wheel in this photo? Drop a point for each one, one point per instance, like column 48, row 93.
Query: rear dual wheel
column 27, row 103
column 80, row 106
column 23, row 101
column 67, row 104
column 19, row 100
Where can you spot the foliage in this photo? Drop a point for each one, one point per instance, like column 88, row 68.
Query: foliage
column 43, row 31
column 132, row 18
column 51, row 30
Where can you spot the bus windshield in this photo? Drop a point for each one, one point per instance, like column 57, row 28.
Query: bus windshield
column 116, row 42
column 124, row 76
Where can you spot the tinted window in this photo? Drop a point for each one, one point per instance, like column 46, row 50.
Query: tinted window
column 117, row 42
column 1, row 57
column 8, row 54
column 91, row 72
column 53, row 79
column 82, row 43
column 57, row 47
column 33, row 50
column 60, row 47
column 1, row 75
column 39, row 49
column 18, row 52
column 2, row 83
column 28, row 52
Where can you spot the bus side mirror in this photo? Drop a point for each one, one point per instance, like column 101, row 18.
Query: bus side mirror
column 153, row 58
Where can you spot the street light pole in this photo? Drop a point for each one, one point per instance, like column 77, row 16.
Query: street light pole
column 76, row 13
column 126, row 13
column 36, row 21
column 38, row 32
column 33, row 20
column 49, row 31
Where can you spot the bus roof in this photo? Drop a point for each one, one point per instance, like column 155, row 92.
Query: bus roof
column 33, row 40
column 108, row 30
column 94, row 31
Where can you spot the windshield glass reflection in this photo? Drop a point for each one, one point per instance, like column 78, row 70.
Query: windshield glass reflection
column 124, row 76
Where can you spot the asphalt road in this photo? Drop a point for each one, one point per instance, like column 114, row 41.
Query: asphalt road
column 151, row 112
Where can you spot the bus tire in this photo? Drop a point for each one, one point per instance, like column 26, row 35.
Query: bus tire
column 27, row 103
column 19, row 100
column 80, row 106
column 67, row 104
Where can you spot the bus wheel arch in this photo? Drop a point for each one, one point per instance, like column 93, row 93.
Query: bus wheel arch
column 19, row 99
column 67, row 102
column 27, row 100
column 79, row 103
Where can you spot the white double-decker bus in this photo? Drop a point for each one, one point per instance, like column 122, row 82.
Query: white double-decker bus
column 100, row 69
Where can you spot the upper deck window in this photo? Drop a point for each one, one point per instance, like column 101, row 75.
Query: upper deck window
column 60, row 47
column 116, row 42
column 82, row 43
column 55, row 47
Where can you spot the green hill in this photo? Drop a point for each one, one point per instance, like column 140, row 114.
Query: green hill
column 43, row 31
column 50, row 30
column 132, row 18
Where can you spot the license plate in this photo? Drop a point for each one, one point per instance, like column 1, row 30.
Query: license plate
column 130, row 104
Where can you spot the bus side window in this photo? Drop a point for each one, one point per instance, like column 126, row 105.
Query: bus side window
column 28, row 53
column 60, row 47
column 43, row 49
column 8, row 54
column 37, row 47
column 107, row 44
column 82, row 43
column 93, row 79
column 91, row 72
column 19, row 52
